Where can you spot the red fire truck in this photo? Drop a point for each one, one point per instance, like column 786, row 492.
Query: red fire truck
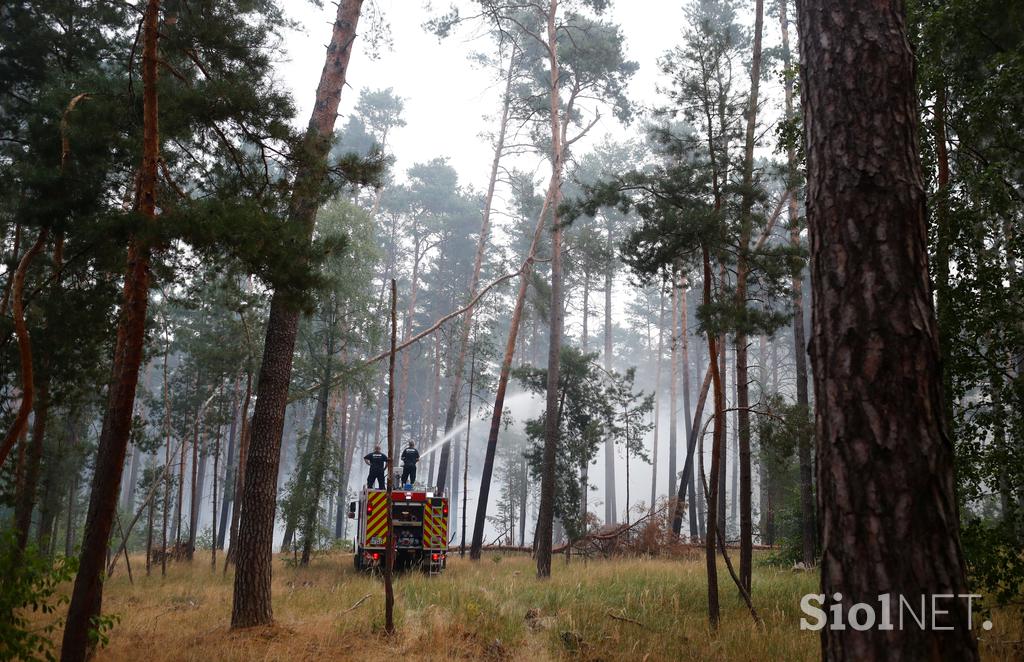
column 420, row 520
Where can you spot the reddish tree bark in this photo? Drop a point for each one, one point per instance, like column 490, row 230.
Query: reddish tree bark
column 24, row 347
column 26, row 497
column 889, row 520
column 254, row 552
column 87, row 595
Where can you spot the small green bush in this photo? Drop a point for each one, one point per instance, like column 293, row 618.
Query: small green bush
column 30, row 583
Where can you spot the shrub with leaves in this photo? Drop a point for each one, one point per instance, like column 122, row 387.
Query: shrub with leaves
column 31, row 585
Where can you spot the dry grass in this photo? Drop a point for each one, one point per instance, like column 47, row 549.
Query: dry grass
column 609, row 610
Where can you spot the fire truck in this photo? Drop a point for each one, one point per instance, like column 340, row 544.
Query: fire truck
column 420, row 520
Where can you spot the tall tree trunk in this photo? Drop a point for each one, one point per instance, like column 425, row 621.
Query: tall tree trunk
column 356, row 433
column 342, row 471
column 546, row 513
column 734, row 477
column 389, row 555
column 807, row 527
column 213, row 502
column 232, row 463
column 889, row 520
column 523, row 498
column 686, row 477
column 585, row 343
column 69, row 531
column 742, row 377
column 684, row 362
column 673, row 392
column 763, row 476
column 150, row 514
column 87, row 595
column 24, row 348
column 657, row 397
column 26, row 497
column 696, row 505
column 610, row 488
column 319, row 456
column 243, row 453
column 474, row 280
column 196, row 493
column 166, row 506
column 713, row 522
column 723, row 461
column 503, row 377
column 49, row 501
column 465, row 466
column 251, row 602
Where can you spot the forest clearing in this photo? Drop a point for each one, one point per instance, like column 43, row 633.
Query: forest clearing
column 661, row 330
column 636, row 609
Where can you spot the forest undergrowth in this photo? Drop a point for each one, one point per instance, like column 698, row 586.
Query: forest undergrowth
column 621, row 609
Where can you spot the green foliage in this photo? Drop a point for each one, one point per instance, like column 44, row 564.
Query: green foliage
column 31, row 583
column 779, row 430
column 593, row 405
column 673, row 199
column 971, row 63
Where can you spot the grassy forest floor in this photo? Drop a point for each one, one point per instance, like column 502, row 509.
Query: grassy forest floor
column 605, row 610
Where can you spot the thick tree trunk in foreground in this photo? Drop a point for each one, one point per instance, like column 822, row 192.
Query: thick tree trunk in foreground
column 258, row 503
column 807, row 528
column 87, row 595
column 889, row 520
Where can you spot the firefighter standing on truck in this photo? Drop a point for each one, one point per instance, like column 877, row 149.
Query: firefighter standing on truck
column 410, row 456
column 377, row 461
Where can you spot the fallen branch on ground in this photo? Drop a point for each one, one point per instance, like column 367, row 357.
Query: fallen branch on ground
column 358, row 602
column 624, row 619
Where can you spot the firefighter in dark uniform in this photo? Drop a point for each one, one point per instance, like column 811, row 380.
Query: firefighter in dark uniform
column 410, row 456
column 377, row 462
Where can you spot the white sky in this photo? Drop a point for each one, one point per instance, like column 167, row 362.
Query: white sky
column 447, row 100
